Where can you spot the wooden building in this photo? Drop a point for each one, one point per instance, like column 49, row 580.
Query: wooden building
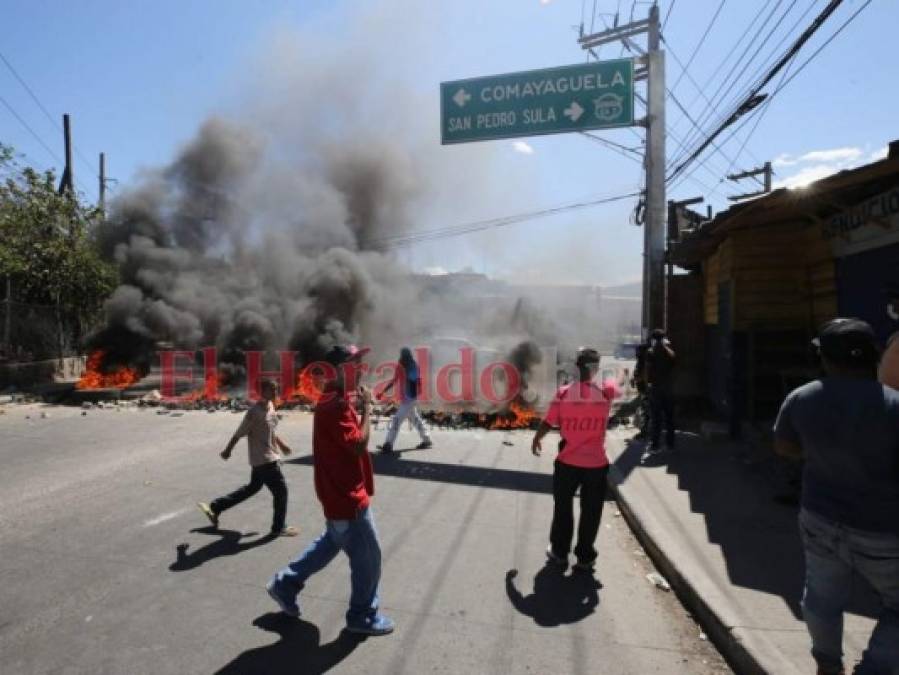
column 773, row 269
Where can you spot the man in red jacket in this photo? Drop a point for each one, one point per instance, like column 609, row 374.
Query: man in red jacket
column 344, row 484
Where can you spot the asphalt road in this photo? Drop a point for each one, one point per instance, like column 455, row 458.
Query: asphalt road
column 106, row 565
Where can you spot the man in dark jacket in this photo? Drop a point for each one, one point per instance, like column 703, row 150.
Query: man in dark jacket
column 660, row 360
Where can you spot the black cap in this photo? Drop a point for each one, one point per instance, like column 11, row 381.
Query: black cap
column 848, row 342
column 342, row 353
column 586, row 355
column 657, row 334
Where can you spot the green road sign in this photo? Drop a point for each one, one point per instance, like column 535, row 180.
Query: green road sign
column 597, row 95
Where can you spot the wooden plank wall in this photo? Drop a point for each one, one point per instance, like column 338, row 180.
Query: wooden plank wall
column 716, row 268
column 783, row 277
column 820, row 276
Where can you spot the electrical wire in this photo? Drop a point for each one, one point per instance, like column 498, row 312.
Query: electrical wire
column 631, row 153
column 398, row 241
column 44, row 110
column 29, row 129
column 753, row 98
column 742, row 92
column 708, row 84
column 787, row 77
column 821, row 48
column 755, row 78
column 698, row 44
column 668, row 14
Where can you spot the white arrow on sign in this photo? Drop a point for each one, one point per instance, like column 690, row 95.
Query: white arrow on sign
column 574, row 111
column 461, row 98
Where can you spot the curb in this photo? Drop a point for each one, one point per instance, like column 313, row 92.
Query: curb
column 735, row 652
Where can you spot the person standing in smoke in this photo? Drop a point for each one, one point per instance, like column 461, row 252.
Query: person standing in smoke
column 407, row 387
column 344, row 483
column 580, row 411
column 263, row 447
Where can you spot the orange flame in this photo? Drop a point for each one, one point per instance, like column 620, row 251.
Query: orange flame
column 210, row 390
column 94, row 378
column 309, row 387
column 521, row 418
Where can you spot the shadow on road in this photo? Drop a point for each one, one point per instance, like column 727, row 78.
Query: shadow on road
column 476, row 476
column 557, row 599
column 229, row 543
column 297, row 651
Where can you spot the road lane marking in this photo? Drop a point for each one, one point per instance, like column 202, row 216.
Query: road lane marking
column 164, row 517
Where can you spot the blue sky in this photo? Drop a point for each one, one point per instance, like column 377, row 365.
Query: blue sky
column 139, row 78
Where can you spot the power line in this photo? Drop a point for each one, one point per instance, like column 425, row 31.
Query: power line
column 669, row 131
column 668, row 14
column 43, row 109
column 722, row 64
column 752, row 99
column 742, row 92
column 755, row 78
column 29, row 129
column 730, row 81
column 631, row 153
column 397, row 241
column 787, row 77
column 698, row 44
column 683, row 109
column 821, row 48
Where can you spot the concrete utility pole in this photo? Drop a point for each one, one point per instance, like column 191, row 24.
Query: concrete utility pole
column 653, row 63
column 655, row 317
column 764, row 170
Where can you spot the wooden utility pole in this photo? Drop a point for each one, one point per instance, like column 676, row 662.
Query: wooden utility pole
column 67, row 182
column 7, row 317
column 103, row 183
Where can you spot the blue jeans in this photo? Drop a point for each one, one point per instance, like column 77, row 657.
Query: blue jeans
column 357, row 538
column 833, row 553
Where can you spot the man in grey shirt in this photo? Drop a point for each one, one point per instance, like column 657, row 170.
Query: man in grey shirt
column 846, row 428
column 263, row 447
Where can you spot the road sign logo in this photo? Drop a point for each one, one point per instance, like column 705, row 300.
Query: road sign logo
column 608, row 107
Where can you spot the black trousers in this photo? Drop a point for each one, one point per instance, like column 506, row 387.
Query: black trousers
column 661, row 401
column 269, row 475
column 566, row 480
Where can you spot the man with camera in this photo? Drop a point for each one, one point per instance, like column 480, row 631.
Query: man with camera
column 660, row 361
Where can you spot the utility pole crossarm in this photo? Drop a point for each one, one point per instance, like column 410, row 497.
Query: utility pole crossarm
column 613, row 34
column 764, row 170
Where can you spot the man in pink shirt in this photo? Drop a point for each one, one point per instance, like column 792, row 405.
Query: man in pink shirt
column 580, row 411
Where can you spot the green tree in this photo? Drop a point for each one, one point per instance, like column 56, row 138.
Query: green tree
column 49, row 254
